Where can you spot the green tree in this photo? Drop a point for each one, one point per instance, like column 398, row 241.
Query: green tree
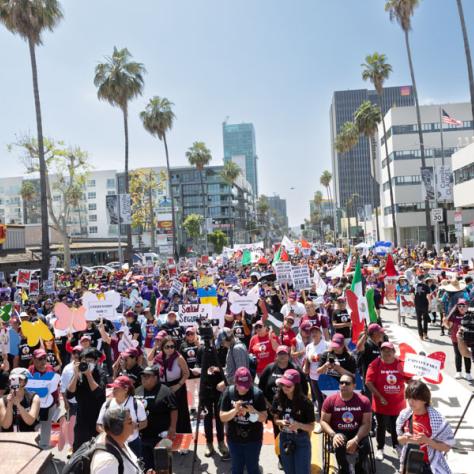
column 231, row 172
column 70, row 168
column 29, row 19
column 144, row 183
column 401, row 11
column 118, row 81
column 263, row 215
column 199, row 156
column 467, row 51
column 158, row 118
column 219, row 239
column 192, row 226
column 325, row 180
column 367, row 117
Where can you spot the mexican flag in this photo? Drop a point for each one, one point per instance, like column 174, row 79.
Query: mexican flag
column 281, row 255
column 357, row 303
column 246, row 257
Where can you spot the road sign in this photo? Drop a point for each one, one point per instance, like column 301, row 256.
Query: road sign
column 436, row 215
column 458, row 216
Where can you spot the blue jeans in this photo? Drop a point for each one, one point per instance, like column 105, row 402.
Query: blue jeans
column 300, row 460
column 245, row 455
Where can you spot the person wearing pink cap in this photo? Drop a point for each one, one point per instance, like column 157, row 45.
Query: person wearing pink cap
column 243, row 409
column 294, row 415
column 302, row 339
column 293, row 307
column 337, row 361
column 263, row 345
column 386, row 381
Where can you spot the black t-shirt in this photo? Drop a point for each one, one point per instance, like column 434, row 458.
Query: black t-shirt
column 240, row 428
column 133, row 374
column 421, row 296
column 239, row 333
column 189, row 352
column 342, row 316
column 267, row 381
column 26, row 353
column 370, row 353
column 345, row 360
column 52, row 359
column 304, row 413
column 93, row 333
column 158, row 403
column 17, row 419
column 135, row 328
column 175, row 331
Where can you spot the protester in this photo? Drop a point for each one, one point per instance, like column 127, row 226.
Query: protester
column 337, row 361
column 237, row 355
column 422, row 290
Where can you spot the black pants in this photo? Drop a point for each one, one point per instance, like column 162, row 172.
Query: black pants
column 148, row 445
column 212, row 412
column 458, row 360
column 362, row 452
column 422, row 319
column 385, row 422
column 317, row 394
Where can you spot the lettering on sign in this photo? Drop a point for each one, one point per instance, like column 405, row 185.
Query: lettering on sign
column 301, row 277
column 422, row 366
column 190, row 314
column 283, row 272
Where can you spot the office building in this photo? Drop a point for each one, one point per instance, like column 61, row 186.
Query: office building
column 352, row 172
column 405, row 164
column 278, row 206
column 239, row 146
column 325, row 209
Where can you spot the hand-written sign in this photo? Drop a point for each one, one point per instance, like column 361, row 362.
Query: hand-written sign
column 101, row 305
column 247, row 303
column 407, row 305
column 422, row 366
column 190, row 314
column 301, row 277
column 283, row 272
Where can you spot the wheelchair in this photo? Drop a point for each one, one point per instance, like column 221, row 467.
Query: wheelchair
column 367, row 465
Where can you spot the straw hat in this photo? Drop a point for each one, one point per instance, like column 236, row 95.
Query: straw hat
column 455, row 285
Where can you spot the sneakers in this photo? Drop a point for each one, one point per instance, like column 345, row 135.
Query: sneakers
column 458, row 375
column 379, row 454
column 469, row 377
column 209, row 450
column 224, row 450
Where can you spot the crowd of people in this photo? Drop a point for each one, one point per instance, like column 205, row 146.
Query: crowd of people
column 147, row 374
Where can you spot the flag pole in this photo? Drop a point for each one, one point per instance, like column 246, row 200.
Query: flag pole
column 445, row 211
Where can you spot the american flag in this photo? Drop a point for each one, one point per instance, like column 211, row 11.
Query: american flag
column 450, row 120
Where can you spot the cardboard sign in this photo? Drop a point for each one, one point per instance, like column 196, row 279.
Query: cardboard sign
column 23, row 278
column 283, row 272
column 407, row 305
column 102, row 305
column 35, row 331
column 422, row 366
column 247, row 303
column 205, row 280
column 301, row 277
column 189, row 314
column 34, row 287
column 176, row 287
column 69, row 319
column 48, row 287
column 390, row 288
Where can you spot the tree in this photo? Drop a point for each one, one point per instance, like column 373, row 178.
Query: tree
column 467, row 51
column 367, row 117
column 199, row 156
column 118, row 81
column 231, row 172
column 192, row 226
column 29, row 20
column 401, row 11
column 70, row 168
column 158, row 118
column 219, row 239
column 144, row 183
column 325, row 180
column 263, row 207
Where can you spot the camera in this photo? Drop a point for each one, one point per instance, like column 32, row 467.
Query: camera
column 467, row 324
column 83, row 366
column 14, row 383
column 205, row 329
column 331, row 359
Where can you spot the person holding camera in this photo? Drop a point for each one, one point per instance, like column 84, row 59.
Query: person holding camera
column 420, row 424
column 347, row 417
column 294, row 415
column 337, row 361
column 88, row 387
column 19, row 410
column 237, row 355
column 243, row 409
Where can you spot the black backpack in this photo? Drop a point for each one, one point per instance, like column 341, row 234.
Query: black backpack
column 80, row 462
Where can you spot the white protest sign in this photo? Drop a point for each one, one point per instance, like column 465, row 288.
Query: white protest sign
column 189, row 314
column 422, row 366
column 101, row 305
column 4, row 341
column 336, row 272
column 247, row 303
column 218, row 315
column 283, row 272
column 126, row 341
column 301, row 277
column 320, row 284
column 176, row 287
column 407, row 305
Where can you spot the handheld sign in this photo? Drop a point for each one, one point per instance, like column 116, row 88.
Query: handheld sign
column 239, row 303
column 190, row 314
column 283, row 272
column 23, row 278
column 301, row 278
column 102, row 305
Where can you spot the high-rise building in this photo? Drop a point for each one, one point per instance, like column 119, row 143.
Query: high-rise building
column 278, row 205
column 239, row 146
column 352, row 170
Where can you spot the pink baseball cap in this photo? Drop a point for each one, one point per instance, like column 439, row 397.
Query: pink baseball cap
column 374, row 327
column 387, row 345
column 243, row 378
column 283, row 348
column 337, row 341
column 290, row 377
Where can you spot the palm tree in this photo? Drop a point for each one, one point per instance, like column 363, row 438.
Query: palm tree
column 377, row 70
column 467, row 50
column 401, row 11
column 158, row 118
column 231, row 172
column 29, row 20
column 367, row 117
column 325, row 180
column 118, row 81
column 199, row 156
column 316, row 217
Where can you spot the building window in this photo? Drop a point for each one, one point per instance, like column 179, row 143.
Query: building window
column 111, row 183
column 93, row 218
column 93, row 229
column 110, row 193
column 91, row 183
column 466, row 173
column 92, row 206
column 91, row 195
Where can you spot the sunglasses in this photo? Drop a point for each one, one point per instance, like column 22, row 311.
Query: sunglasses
column 462, row 306
column 342, row 382
column 169, row 347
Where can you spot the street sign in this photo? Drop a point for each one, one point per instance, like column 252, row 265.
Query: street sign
column 458, row 229
column 458, row 216
column 436, row 215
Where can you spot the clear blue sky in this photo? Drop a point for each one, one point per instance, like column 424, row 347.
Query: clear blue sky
column 275, row 63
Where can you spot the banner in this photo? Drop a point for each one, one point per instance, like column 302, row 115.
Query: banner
column 254, row 246
column 390, row 288
column 427, row 183
column 422, row 366
column 283, row 272
column 301, row 278
column 444, row 183
column 407, row 305
column 125, row 209
column 23, row 278
column 190, row 314
column 111, row 204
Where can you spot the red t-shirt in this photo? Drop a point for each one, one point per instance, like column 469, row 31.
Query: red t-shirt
column 287, row 337
column 262, row 348
column 346, row 415
column 390, row 382
column 421, row 425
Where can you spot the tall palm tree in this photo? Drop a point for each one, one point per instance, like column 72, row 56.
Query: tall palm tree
column 377, row 71
column 317, row 216
column 367, row 117
column 158, row 118
column 325, row 180
column 401, row 11
column 231, row 172
column 199, row 156
column 467, row 50
column 29, row 20
column 118, row 81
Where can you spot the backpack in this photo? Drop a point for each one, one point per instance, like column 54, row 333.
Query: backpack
column 232, row 393
column 135, row 405
column 80, row 462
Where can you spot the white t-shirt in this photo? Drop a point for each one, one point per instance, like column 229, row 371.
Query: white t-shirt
column 106, row 463
column 66, row 377
column 298, row 311
column 127, row 405
column 315, row 350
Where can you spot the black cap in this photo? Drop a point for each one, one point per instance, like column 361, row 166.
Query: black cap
column 151, row 370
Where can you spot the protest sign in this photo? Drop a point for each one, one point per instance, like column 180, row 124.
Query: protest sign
column 207, row 296
column 301, row 277
column 35, row 331
column 320, row 284
column 283, row 272
column 190, row 314
column 205, row 280
column 176, row 287
column 4, row 341
column 34, row 287
column 69, row 319
column 102, row 305
column 23, row 278
column 407, row 305
column 2, row 276
column 247, row 303
column 390, row 288
column 422, row 366
column 48, row 287
column 218, row 315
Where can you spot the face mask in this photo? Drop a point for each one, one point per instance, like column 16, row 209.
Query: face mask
column 91, row 366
